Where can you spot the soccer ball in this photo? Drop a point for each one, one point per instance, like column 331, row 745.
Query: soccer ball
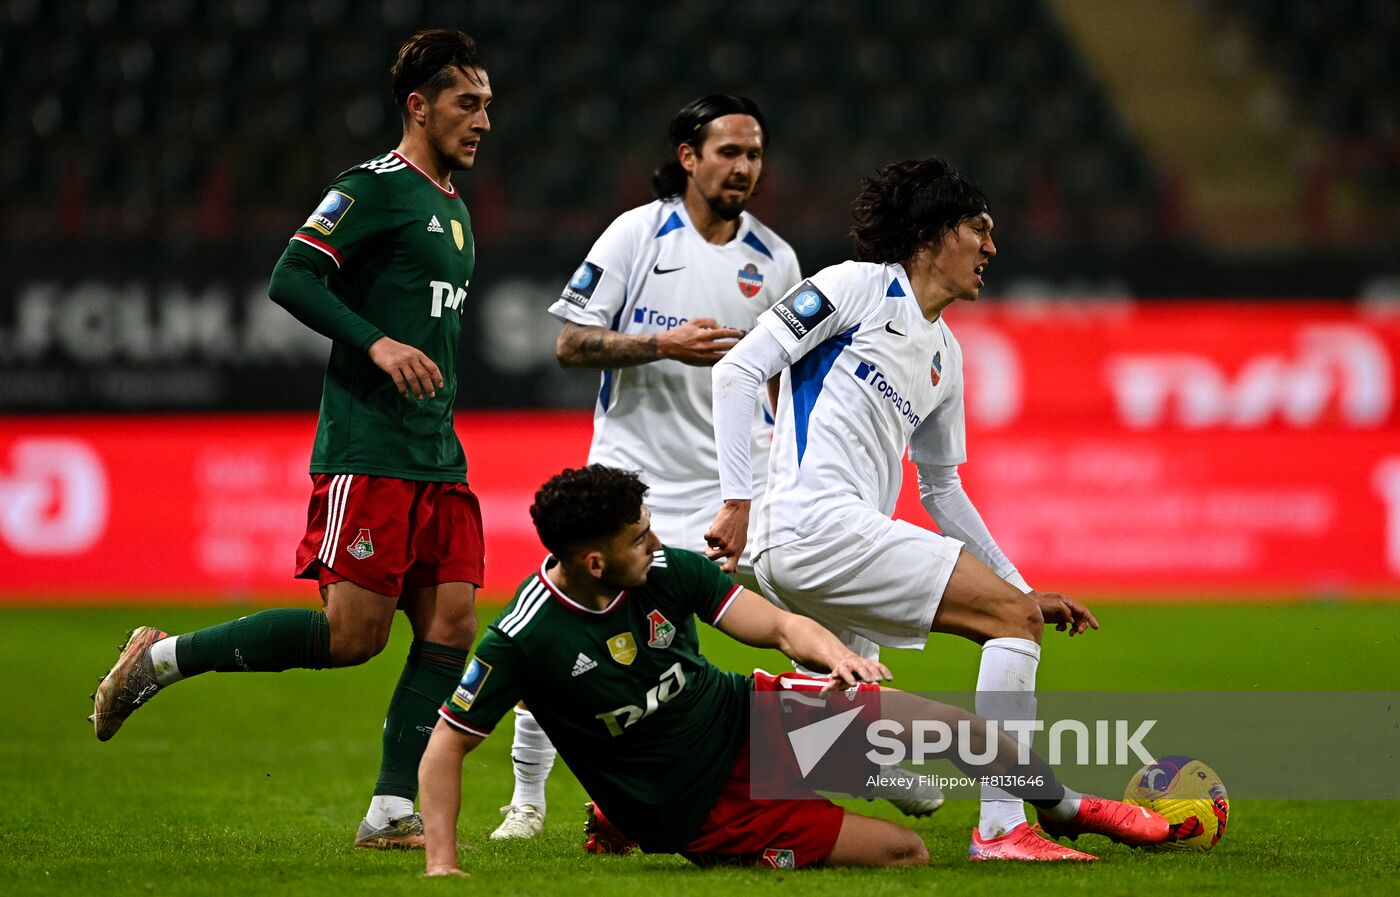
column 1189, row 794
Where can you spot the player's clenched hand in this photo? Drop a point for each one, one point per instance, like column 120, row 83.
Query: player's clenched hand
column 728, row 534
column 1065, row 613
column 700, row 342
column 852, row 670
column 410, row 369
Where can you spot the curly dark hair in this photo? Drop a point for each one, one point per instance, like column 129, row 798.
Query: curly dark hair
column 586, row 504
column 427, row 63
column 692, row 125
column 910, row 203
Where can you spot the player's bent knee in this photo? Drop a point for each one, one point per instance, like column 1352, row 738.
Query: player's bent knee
column 457, row 629
column 356, row 646
column 909, row 850
column 1018, row 618
column 444, row 614
column 1034, row 622
column 876, row 842
column 462, row 622
column 353, row 654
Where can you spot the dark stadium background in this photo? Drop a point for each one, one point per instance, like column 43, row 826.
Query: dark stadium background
column 155, row 156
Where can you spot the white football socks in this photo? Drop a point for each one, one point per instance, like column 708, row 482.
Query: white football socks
column 386, row 808
column 1005, row 691
column 163, row 659
column 532, row 757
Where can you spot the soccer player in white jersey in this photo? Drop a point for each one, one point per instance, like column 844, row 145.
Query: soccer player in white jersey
column 869, row 367
column 661, row 296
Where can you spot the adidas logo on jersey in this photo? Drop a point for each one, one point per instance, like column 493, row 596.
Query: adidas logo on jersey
column 583, row 664
column 434, row 226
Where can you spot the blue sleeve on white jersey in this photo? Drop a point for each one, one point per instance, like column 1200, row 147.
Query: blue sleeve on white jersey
column 825, row 305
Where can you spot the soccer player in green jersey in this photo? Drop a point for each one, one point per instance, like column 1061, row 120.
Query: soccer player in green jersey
column 381, row 268
column 601, row 642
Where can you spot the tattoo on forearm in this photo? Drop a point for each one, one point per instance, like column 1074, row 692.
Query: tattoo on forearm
column 598, row 347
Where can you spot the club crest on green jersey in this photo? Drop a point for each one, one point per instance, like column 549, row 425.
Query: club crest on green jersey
column 362, row 546
column 623, row 648
column 662, row 630
column 458, row 236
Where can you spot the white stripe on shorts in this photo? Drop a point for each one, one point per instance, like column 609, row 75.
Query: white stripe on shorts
column 336, row 498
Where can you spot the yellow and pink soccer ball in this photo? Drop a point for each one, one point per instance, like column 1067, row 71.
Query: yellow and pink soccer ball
column 1189, row 794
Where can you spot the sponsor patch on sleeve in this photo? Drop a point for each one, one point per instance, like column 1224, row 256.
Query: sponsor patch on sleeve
column 803, row 309
column 472, row 681
column 582, row 284
column 328, row 214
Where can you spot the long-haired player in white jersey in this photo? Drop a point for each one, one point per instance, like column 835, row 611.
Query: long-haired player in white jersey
column 870, row 368
column 660, row 297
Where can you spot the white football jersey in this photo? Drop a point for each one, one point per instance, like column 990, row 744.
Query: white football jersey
column 869, row 377
column 649, row 272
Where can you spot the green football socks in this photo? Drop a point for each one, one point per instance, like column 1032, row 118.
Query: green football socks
column 266, row 642
column 429, row 676
column 276, row 640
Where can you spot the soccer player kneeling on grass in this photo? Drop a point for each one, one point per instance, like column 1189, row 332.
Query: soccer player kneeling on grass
column 601, row 642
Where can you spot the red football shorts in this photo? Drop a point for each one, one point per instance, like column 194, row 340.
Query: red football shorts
column 387, row 535
column 783, row 834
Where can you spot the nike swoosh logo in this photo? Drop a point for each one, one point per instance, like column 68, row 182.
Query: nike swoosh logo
column 657, row 269
column 892, row 330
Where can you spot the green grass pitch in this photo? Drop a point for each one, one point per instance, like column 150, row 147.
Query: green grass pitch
column 253, row 784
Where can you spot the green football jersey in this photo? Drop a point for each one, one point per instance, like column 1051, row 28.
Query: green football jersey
column 649, row 726
column 397, row 250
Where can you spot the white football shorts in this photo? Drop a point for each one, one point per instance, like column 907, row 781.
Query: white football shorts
column 869, row 579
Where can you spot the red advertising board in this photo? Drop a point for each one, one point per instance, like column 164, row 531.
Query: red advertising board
column 1187, row 448
column 1138, row 450
column 132, row 508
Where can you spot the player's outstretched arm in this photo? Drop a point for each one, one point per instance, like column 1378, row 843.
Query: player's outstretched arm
column 440, row 795
column 700, row 342
column 754, row 621
column 736, row 381
column 942, row 495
